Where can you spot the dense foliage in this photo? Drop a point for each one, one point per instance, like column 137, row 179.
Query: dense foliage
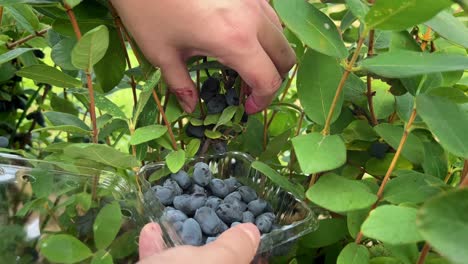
column 370, row 126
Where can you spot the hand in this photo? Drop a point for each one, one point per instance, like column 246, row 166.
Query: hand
column 245, row 35
column 237, row 245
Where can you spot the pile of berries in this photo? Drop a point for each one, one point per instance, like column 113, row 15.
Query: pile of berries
column 201, row 207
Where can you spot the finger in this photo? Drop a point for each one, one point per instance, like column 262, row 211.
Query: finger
column 260, row 74
column 276, row 46
column 271, row 14
column 177, row 77
column 150, row 241
column 236, row 245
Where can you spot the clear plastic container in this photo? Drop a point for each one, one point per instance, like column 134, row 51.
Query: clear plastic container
column 293, row 215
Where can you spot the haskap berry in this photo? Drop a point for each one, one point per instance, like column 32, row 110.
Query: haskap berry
column 209, row 89
column 199, row 218
column 216, row 104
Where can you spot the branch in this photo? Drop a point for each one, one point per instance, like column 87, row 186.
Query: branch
column 27, row 38
column 370, row 94
column 265, row 128
column 391, row 167
column 285, row 92
column 326, row 128
column 1, row 14
column 293, row 154
column 464, row 175
column 166, row 122
column 424, row 252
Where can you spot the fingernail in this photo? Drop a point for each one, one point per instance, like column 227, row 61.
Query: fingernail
column 186, row 98
column 251, row 107
column 253, row 233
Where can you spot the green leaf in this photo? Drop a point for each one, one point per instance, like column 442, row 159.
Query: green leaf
column 122, row 245
column 212, row 134
column 192, row 147
column 353, row 254
column 379, row 167
column 101, row 153
column 329, row 232
column 64, row 249
column 91, row 48
column 402, row 14
column 279, row 179
column 447, row 120
column 317, row 153
column 64, row 119
column 158, row 174
column 400, row 63
column 109, row 77
column 359, row 130
column 453, row 94
column 107, row 225
column 358, row 8
column 355, row 219
column 384, row 101
column 403, row 40
column 435, row 160
column 60, row 104
column 316, row 86
column 226, row 116
column 275, row 146
column 392, row 224
column 147, row 133
column 313, row 27
column 146, row 93
column 422, row 83
column 449, row 27
column 211, row 119
column 108, row 106
column 385, row 260
column 411, row 187
column 41, row 186
column 65, row 128
column 12, row 54
column 339, row 194
column 47, row 74
column 443, row 222
column 413, row 149
column 102, row 257
column 175, row 160
column 24, row 16
column 61, row 54
column 173, row 109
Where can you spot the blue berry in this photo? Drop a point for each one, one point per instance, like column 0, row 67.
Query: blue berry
column 233, row 196
column 3, row 142
column 208, row 220
column 379, row 150
column 209, row 89
column 191, row 233
column 164, row 194
column 219, row 188
column 210, row 239
column 174, row 216
column 216, row 104
column 170, row 183
column 257, row 206
column 178, row 226
column 188, row 204
column 219, row 146
column 231, row 97
column 235, row 223
column 232, row 183
column 248, row 194
column 248, row 217
column 195, row 131
column 264, row 222
column 229, row 213
column 182, row 178
column 202, row 174
column 213, row 202
column 197, row 189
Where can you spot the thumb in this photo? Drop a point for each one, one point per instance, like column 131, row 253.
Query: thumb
column 150, row 241
column 238, row 244
column 178, row 79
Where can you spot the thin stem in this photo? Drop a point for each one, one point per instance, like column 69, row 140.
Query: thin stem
column 202, row 110
column 166, row 122
column 74, row 22
column 92, row 109
column 392, row 166
column 370, row 93
column 313, row 179
column 47, row 88
column 181, row 127
column 120, row 26
column 293, row 154
column 27, row 38
column 464, row 174
column 285, row 92
column 1, row 15
column 424, row 252
column 326, row 128
column 265, row 129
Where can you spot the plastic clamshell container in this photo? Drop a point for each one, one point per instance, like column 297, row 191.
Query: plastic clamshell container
column 55, row 180
column 293, row 215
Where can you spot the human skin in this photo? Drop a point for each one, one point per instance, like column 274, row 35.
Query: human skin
column 245, row 35
column 237, row 245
